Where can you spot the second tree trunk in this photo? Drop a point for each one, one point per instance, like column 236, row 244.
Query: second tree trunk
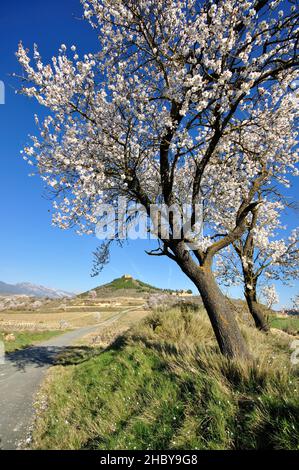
column 256, row 311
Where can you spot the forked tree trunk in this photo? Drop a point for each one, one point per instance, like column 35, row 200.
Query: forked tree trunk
column 224, row 323
column 256, row 311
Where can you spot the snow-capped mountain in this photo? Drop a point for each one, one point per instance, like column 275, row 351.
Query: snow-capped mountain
column 26, row 288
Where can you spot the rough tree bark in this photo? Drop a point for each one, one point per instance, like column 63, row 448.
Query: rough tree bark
column 223, row 320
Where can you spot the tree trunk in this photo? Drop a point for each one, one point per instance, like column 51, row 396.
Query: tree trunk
column 223, row 320
column 256, row 311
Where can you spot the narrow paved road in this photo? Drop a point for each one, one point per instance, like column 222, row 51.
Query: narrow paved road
column 20, row 378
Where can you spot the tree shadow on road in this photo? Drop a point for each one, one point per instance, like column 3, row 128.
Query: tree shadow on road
column 43, row 356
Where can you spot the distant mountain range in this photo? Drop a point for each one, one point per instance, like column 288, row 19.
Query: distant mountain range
column 32, row 290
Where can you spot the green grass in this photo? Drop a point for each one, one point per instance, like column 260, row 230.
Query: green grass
column 289, row 325
column 164, row 385
column 24, row 339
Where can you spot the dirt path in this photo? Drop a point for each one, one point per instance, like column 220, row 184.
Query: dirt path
column 20, row 378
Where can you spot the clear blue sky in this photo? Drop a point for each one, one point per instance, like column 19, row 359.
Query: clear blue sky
column 30, row 248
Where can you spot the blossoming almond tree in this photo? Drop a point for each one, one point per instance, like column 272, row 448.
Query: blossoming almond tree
column 158, row 110
column 270, row 295
column 260, row 256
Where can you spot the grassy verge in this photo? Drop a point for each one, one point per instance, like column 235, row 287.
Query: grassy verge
column 289, row 325
column 164, row 385
column 24, row 339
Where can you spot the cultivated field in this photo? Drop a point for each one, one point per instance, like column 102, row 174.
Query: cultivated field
column 30, row 321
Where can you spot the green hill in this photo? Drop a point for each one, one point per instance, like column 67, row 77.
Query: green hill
column 125, row 286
